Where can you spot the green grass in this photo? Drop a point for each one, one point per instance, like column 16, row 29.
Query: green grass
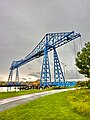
column 80, row 101
column 9, row 94
column 60, row 106
column 4, row 95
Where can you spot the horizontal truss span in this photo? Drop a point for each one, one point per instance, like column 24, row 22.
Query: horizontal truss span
column 51, row 40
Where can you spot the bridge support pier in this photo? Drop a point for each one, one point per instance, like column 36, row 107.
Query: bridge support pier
column 58, row 73
column 17, row 75
column 10, row 76
column 45, row 72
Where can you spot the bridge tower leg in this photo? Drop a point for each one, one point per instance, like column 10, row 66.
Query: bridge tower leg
column 10, row 76
column 45, row 72
column 17, row 75
column 58, row 73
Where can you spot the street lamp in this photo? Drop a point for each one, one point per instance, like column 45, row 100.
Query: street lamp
column 64, row 69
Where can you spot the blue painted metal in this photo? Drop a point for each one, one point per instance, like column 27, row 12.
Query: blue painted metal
column 62, row 84
column 49, row 42
column 10, row 75
column 17, row 75
column 59, row 40
column 58, row 73
column 45, row 73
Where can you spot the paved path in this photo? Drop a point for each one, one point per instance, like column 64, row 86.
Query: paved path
column 14, row 101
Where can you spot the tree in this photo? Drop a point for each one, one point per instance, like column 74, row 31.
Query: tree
column 83, row 60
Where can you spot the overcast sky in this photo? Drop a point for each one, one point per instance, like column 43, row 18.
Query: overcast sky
column 23, row 23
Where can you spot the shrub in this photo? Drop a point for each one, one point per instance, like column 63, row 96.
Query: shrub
column 88, row 85
column 58, row 87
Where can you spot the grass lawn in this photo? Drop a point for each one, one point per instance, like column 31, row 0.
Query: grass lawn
column 59, row 106
column 4, row 95
column 9, row 94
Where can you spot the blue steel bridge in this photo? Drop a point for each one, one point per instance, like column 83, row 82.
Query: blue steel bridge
column 50, row 42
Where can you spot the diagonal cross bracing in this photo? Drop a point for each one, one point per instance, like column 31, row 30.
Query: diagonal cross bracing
column 59, row 40
column 50, row 42
column 58, row 73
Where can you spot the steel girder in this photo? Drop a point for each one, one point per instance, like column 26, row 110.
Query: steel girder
column 45, row 79
column 49, row 42
column 54, row 40
column 17, row 75
column 10, row 75
column 45, row 72
column 58, row 73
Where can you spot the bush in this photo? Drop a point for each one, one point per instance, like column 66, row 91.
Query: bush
column 83, row 84
column 59, row 87
column 88, row 85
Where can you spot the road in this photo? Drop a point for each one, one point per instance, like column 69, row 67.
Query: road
column 14, row 101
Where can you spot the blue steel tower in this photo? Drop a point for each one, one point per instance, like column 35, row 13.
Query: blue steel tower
column 58, row 73
column 45, row 72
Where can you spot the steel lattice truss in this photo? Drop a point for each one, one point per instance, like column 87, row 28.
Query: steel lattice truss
column 49, row 41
